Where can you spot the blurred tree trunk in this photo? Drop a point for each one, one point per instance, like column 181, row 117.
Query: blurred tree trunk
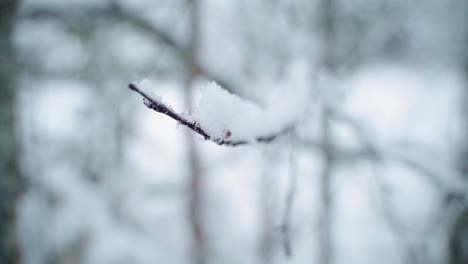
column 325, row 236
column 328, row 22
column 458, row 240
column 10, row 183
column 196, row 180
column 458, row 253
column 329, row 66
column 267, row 204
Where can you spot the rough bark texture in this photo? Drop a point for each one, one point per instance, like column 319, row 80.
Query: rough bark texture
column 10, row 183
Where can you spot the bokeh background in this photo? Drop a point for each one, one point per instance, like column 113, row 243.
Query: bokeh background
column 375, row 163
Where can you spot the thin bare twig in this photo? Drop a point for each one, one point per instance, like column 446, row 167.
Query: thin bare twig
column 197, row 127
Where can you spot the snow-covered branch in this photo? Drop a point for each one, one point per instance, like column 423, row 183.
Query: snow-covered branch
column 197, row 127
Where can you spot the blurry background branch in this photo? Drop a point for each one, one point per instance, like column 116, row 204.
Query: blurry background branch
column 375, row 150
column 289, row 199
column 410, row 252
column 182, row 50
column 410, row 156
column 114, row 11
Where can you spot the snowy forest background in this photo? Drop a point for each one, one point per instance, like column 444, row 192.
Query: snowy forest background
column 371, row 170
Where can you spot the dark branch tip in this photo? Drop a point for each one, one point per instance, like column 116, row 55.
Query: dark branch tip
column 132, row 87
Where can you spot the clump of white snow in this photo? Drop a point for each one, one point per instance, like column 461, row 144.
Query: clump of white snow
column 219, row 111
column 227, row 116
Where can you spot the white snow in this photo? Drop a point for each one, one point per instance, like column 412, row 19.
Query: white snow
column 218, row 111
